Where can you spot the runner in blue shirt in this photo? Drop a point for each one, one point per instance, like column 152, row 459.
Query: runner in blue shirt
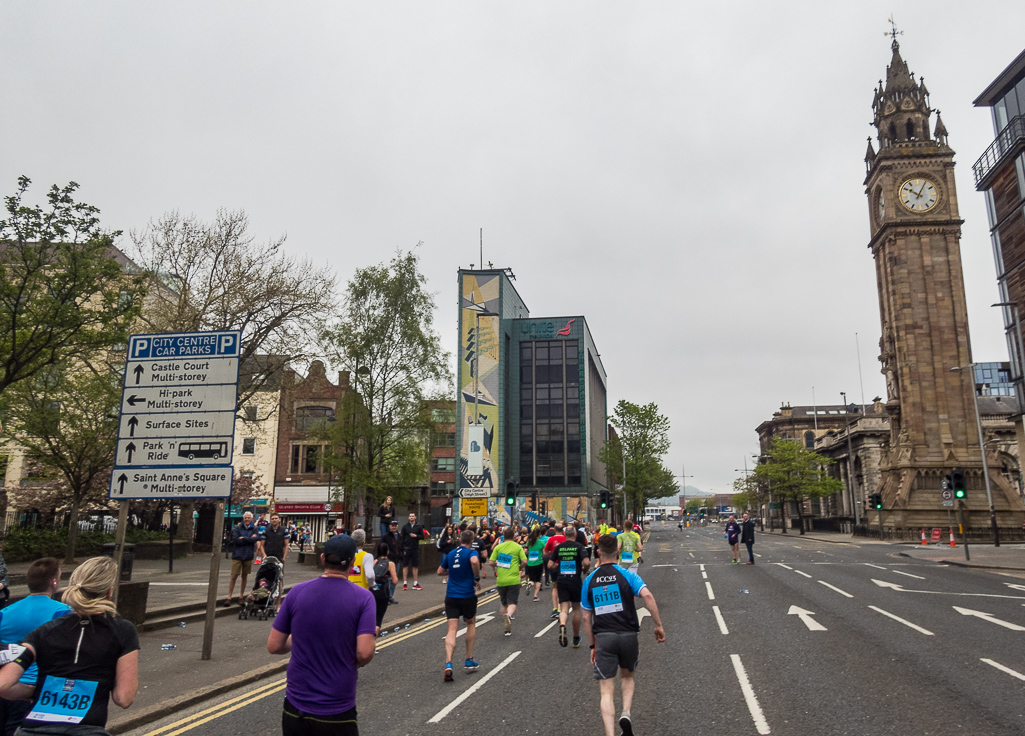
column 462, row 565
column 611, row 625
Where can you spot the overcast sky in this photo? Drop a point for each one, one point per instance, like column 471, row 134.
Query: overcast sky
column 689, row 176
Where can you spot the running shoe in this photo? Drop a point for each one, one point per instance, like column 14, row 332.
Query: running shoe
column 563, row 641
column 576, row 642
column 471, row 664
column 555, row 613
column 626, row 724
column 416, row 586
column 405, row 587
column 449, row 675
column 536, row 599
column 508, row 625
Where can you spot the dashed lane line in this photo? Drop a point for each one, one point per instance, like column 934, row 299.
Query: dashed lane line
column 708, row 587
column 761, row 725
column 907, row 623
column 799, row 572
column 704, row 575
column 470, row 691
column 785, row 567
column 720, row 620
column 546, row 629
column 917, row 577
column 833, row 587
column 1002, row 668
column 877, row 567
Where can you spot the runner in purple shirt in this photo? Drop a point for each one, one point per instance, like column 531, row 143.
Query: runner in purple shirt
column 328, row 624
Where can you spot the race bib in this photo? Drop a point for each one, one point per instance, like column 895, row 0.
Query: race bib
column 628, row 558
column 567, row 567
column 533, row 556
column 504, row 560
column 607, row 600
column 10, row 653
column 63, row 700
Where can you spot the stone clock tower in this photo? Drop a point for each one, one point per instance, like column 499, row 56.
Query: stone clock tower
column 915, row 241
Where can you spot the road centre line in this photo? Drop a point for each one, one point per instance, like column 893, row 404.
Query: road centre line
column 704, row 575
column 761, row 725
column 477, row 686
column 917, row 577
column 546, row 629
column 198, row 719
column 1000, row 667
column 916, row 627
column 785, row 567
column 720, row 620
column 708, row 587
column 877, row 567
column 701, row 567
column 833, row 587
column 802, row 573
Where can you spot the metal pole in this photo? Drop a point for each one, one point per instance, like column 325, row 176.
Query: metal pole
column 170, row 536
column 476, row 367
column 985, row 462
column 215, row 571
column 119, row 544
column 964, row 530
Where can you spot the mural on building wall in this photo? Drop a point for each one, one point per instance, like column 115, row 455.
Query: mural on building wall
column 565, row 508
column 479, row 381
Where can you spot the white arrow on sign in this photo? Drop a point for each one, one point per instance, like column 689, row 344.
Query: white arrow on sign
column 902, row 589
column 806, row 618
column 988, row 617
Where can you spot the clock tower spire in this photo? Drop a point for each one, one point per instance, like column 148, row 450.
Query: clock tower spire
column 916, row 230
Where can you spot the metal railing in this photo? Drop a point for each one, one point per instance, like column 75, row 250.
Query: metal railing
column 1007, row 139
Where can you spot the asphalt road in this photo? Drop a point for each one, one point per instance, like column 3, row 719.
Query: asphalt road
column 882, row 649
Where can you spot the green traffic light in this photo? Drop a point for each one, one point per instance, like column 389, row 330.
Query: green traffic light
column 959, row 493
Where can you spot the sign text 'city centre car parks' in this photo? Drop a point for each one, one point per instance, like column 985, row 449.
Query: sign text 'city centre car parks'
column 177, row 427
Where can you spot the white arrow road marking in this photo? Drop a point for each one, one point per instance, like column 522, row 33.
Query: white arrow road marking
column 902, row 589
column 806, row 618
column 916, row 577
column 546, row 629
column 833, row 587
column 708, row 587
column 802, row 573
column 482, row 619
column 1009, row 585
column 720, row 620
column 1000, row 667
column 641, row 613
column 988, row 617
column 467, row 693
column 916, row 627
column 761, row 725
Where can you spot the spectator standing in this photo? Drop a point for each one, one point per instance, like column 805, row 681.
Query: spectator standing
column 386, row 515
column 5, row 583
column 92, row 654
column 275, row 540
column 732, row 534
column 244, row 538
column 394, row 541
column 328, row 626
column 747, row 536
column 412, row 533
column 19, row 619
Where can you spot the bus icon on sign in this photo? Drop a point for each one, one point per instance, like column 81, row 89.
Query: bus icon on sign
column 192, row 450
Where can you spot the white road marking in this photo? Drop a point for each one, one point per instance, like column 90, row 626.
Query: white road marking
column 708, row 587
column 701, row 567
column 902, row 589
column 641, row 613
column 917, row 577
column 833, row 587
column 704, row 575
column 720, row 620
column 691, row 554
column 546, row 629
column 669, row 565
column 785, row 567
column 757, row 555
column 802, row 573
column 806, row 618
column 877, row 567
column 989, row 617
column 916, row 627
column 482, row 619
column 1009, row 585
column 470, row 691
column 761, row 725
column 177, row 584
column 1000, row 667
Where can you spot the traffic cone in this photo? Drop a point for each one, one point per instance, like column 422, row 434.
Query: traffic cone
column 924, row 540
column 952, row 543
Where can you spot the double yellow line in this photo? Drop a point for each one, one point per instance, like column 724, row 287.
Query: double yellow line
column 241, row 701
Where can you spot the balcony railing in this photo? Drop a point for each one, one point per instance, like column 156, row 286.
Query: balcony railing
column 1010, row 137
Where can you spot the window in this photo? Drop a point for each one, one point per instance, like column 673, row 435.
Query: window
column 443, row 487
column 809, row 439
column 249, row 446
column 444, row 439
column 443, row 464
column 250, row 413
column 443, row 416
column 307, row 417
column 306, row 459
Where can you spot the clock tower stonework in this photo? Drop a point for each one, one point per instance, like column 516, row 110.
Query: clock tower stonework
column 915, row 241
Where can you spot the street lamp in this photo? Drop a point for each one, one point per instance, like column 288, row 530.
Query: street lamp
column 982, row 449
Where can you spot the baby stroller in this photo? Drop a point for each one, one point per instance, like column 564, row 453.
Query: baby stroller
column 262, row 603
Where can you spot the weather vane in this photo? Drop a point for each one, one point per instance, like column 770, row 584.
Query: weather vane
column 893, row 32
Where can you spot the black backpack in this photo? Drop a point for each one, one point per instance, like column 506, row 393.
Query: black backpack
column 380, row 571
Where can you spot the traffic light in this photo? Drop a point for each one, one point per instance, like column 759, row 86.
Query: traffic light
column 603, row 499
column 957, row 482
column 532, row 502
column 510, row 493
column 875, row 500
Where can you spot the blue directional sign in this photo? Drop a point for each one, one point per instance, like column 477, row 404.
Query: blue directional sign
column 177, row 427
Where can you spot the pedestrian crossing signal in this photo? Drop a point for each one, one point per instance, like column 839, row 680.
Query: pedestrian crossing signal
column 957, row 482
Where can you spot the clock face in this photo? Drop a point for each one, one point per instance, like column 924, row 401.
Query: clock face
column 918, row 195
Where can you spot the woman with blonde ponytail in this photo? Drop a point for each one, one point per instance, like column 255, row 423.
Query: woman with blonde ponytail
column 85, row 659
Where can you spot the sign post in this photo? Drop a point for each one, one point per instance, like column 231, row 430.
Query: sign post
column 177, row 430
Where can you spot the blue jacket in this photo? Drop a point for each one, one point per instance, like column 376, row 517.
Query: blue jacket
column 243, row 540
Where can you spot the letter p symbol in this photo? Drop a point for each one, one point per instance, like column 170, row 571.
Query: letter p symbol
column 227, row 345
column 140, row 347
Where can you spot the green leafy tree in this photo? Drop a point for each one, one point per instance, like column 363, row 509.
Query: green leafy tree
column 795, row 474
column 751, row 492
column 66, row 419
column 642, row 439
column 384, row 336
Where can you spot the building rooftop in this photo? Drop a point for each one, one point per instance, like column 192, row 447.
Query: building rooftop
column 1004, row 81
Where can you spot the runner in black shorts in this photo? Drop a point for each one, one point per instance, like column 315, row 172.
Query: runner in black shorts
column 462, row 565
column 568, row 563
column 610, row 621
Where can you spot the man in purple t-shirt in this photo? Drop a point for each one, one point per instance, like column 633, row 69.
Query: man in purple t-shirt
column 329, row 626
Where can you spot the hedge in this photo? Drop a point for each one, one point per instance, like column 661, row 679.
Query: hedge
column 25, row 545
